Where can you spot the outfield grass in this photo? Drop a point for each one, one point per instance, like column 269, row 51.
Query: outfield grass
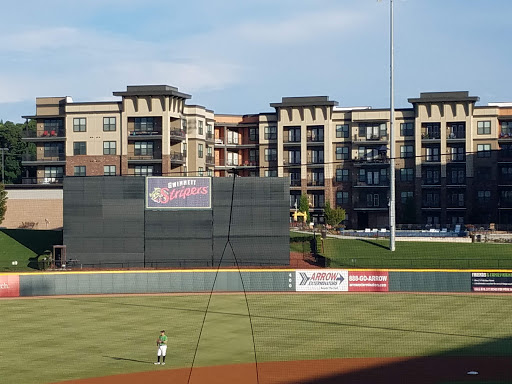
column 24, row 246
column 48, row 340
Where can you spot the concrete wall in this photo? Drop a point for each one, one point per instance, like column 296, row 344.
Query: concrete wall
column 43, row 207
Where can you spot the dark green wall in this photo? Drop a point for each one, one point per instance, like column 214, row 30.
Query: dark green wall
column 430, row 281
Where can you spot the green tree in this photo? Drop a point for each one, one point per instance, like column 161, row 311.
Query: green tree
column 335, row 216
column 11, row 138
column 304, row 206
column 3, row 202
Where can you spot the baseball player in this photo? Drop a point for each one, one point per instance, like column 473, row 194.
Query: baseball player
column 161, row 343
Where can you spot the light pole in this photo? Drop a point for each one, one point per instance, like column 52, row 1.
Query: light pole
column 3, row 163
column 392, row 218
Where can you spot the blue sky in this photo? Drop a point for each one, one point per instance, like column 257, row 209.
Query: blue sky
column 237, row 56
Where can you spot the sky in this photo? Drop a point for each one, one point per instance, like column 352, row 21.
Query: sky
column 238, row 56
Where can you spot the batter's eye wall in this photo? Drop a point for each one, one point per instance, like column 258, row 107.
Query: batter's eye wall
column 106, row 225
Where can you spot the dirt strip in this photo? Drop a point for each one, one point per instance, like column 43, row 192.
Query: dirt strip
column 419, row 370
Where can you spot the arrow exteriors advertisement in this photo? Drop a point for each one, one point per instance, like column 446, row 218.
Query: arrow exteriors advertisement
column 178, row 193
column 9, row 285
column 310, row 280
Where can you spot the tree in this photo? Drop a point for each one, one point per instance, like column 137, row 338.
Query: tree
column 333, row 217
column 3, row 202
column 10, row 138
column 304, row 206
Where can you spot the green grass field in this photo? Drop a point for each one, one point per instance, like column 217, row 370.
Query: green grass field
column 49, row 340
column 24, row 246
column 372, row 253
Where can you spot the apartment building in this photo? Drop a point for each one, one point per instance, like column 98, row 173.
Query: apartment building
column 453, row 158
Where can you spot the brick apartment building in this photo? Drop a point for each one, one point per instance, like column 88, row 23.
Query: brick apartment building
column 453, row 166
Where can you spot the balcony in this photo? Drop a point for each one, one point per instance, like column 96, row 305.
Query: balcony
column 505, row 181
column 295, row 183
column 366, row 207
column 178, row 157
column 56, row 158
column 177, row 134
column 144, row 159
column 56, row 181
column 454, row 136
column 504, row 137
column 504, row 156
column 292, row 163
column 430, row 205
column 44, row 135
column 315, row 183
column 290, row 141
column 430, row 136
column 364, row 184
column 145, row 135
column 210, row 137
column 210, row 159
column 371, row 160
column 371, row 138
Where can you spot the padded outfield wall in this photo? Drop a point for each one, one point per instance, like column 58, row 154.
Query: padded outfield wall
column 277, row 280
column 106, row 224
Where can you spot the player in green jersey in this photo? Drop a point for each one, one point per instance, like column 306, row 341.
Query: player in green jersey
column 161, row 343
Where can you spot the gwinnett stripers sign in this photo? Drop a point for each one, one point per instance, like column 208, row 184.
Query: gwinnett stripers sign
column 178, row 193
column 334, row 280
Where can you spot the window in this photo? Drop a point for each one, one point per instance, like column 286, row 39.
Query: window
column 457, row 176
column 318, row 200
column 341, row 198
column 143, row 170
column 52, row 125
column 200, row 127
column 109, row 124
column 109, row 170
column 209, row 129
column 79, row 170
column 109, row 147
column 316, row 157
column 293, row 135
column 431, row 131
column 483, row 127
column 341, row 153
column 53, row 150
column 372, row 200
column 53, row 172
column 254, row 134
column 79, row 124
column 271, row 132
column 342, row 131
column 200, row 150
column 406, row 174
column 316, row 178
column 79, row 148
column 369, row 177
column 143, row 148
column 432, row 176
column 342, row 175
column 315, row 134
column 368, row 153
column 209, row 172
column 457, row 153
column 271, row 173
column 270, row 154
column 432, row 200
column 200, row 171
column 184, row 125
column 232, row 137
column 254, row 156
column 209, row 151
column 406, row 151
column 506, row 128
column 456, row 130
column 484, row 150
column 432, row 154
column 406, row 129
column 456, row 199
column 404, row 196
column 484, row 197
column 294, row 157
column 232, row 158
column 373, row 131
column 294, row 200
column 144, row 124
column 295, row 179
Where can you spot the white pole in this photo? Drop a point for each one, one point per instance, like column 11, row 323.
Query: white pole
column 391, row 139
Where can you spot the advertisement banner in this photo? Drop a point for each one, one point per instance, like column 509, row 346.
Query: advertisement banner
column 312, row 280
column 178, row 193
column 9, row 285
column 491, row 281
column 368, row 281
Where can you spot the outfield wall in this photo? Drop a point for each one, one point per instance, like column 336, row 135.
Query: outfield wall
column 277, row 280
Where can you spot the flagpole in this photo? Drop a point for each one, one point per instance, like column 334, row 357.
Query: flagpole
column 392, row 218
